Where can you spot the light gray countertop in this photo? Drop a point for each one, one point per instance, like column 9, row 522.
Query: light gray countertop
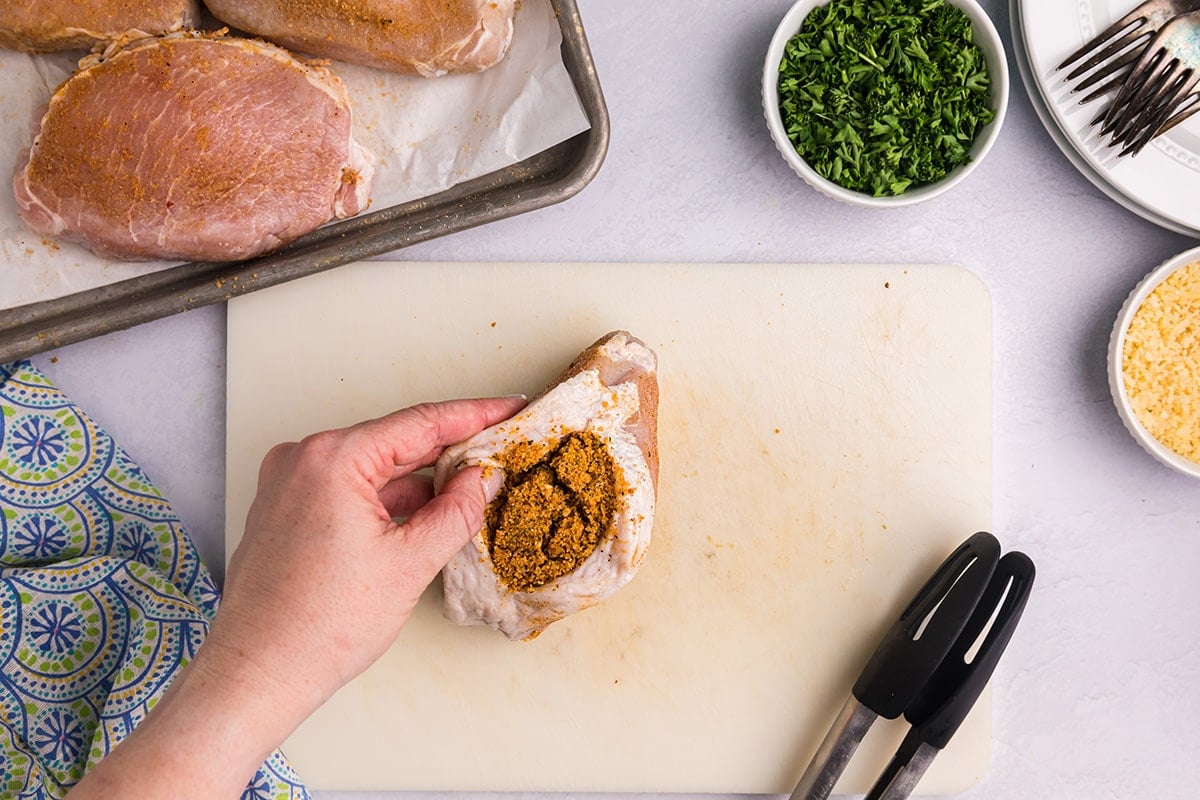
column 1099, row 693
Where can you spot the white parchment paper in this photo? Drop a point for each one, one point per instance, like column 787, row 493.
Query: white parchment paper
column 427, row 134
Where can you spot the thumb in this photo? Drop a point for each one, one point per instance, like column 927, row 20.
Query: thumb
column 441, row 527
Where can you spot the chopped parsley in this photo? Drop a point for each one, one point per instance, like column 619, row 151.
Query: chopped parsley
column 879, row 96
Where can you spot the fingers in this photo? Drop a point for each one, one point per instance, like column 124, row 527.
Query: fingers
column 406, row 494
column 413, row 438
column 440, row 528
column 378, row 454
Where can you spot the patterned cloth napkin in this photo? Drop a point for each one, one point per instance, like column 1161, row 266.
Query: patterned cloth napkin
column 103, row 598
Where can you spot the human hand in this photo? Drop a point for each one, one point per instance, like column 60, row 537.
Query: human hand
column 324, row 578
column 318, row 589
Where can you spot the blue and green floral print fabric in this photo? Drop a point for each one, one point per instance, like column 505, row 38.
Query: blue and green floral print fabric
column 103, row 598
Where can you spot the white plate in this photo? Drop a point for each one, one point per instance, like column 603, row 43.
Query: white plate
column 1162, row 179
column 1038, row 101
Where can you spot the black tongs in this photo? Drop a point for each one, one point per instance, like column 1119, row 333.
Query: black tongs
column 931, row 666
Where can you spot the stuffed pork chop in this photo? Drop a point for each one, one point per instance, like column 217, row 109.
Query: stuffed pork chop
column 573, row 516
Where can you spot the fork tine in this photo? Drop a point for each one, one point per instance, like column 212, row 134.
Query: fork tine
column 1180, row 116
column 1099, row 39
column 1134, row 144
column 1115, row 83
column 1182, row 91
column 1133, row 148
column 1141, row 132
column 1169, row 110
column 1147, row 101
column 1131, row 83
column 1147, row 66
column 1111, row 50
column 1109, row 70
column 1182, row 99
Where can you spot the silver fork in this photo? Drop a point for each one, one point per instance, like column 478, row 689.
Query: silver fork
column 1113, row 50
column 1160, row 91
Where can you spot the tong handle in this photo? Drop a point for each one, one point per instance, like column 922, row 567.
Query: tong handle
column 919, row 640
column 955, row 686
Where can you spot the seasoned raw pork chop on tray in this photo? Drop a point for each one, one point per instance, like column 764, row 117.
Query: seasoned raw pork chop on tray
column 40, row 26
column 412, row 36
column 193, row 146
column 573, row 516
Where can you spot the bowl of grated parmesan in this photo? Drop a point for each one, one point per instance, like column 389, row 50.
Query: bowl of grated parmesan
column 1154, row 363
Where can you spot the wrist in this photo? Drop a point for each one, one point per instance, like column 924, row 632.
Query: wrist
column 207, row 735
column 231, row 692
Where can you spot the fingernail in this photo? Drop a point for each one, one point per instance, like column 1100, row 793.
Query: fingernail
column 493, row 479
column 515, row 397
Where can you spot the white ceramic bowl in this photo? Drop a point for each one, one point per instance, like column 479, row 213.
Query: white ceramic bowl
column 1116, row 377
column 993, row 52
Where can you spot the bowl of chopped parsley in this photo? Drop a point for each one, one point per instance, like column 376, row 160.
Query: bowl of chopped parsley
column 885, row 102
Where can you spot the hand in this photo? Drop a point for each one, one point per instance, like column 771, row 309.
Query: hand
column 324, row 577
column 318, row 589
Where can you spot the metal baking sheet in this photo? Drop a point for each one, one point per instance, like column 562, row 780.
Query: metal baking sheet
column 547, row 178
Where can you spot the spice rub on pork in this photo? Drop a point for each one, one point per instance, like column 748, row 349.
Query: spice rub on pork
column 42, row 26
column 193, row 146
column 410, row 36
column 557, row 503
column 573, row 516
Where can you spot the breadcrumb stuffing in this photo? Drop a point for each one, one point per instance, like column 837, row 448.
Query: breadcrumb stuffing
column 1161, row 362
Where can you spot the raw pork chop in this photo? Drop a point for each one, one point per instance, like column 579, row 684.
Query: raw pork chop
column 529, row 567
column 39, row 26
column 195, row 147
column 413, row 36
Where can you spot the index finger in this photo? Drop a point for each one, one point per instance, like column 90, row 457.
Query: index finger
column 412, row 438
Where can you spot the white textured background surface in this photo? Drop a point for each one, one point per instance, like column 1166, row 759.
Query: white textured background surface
column 1099, row 694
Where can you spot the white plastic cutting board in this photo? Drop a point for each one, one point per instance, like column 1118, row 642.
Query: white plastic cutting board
column 825, row 440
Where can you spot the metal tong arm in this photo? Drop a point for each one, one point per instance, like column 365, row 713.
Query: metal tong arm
column 906, row 658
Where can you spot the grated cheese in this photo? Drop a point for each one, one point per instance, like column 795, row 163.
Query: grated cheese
column 1161, row 362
